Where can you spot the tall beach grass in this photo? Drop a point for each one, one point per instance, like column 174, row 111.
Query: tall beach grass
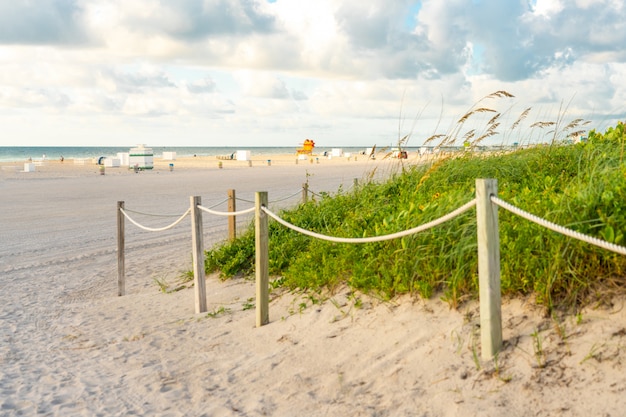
column 579, row 185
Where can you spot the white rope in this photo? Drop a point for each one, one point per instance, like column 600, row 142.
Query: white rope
column 414, row 230
column 559, row 229
column 227, row 213
column 159, row 229
column 150, row 214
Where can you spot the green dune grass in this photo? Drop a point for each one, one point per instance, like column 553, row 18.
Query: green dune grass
column 581, row 186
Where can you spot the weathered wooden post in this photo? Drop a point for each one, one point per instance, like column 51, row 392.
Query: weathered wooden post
column 488, row 268
column 261, row 259
column 198, row 255
column 305, row 192
column 121, row 268
column 232, row 220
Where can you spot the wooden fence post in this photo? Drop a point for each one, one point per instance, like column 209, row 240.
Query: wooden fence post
column 121, row 268
column 232, row 220
column 198, row 255
column 488, row 268
column 261, row 259
column 305, row 192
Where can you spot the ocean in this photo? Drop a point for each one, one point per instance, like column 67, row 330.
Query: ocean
column 23, row 153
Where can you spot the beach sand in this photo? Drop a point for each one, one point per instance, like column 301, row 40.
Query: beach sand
column 71, row 346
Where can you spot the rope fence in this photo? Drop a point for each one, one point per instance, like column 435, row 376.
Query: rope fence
column 157, row 229
column 142, row 213
column 560, row 229
column 124, row 213
column 486, row 203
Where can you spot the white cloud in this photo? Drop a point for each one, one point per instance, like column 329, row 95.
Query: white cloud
column 261, row 85
column 547, row 8
column 345, row 70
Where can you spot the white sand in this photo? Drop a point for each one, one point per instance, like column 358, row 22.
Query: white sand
column 70, row 346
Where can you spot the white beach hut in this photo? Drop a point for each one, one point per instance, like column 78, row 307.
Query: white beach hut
column 141, row 157
column 124, row 158
column 243, row 155
column 111, row 162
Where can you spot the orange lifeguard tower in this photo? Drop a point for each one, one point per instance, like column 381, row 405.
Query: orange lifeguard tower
column 307, row 147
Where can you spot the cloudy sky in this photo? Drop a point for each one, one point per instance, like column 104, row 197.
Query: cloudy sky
column 274, row 72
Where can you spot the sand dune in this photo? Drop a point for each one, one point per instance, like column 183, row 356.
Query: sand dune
column 72, row 347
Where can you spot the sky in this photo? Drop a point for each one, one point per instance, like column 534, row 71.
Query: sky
column 275, row 72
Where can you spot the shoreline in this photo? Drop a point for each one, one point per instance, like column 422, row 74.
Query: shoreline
column 90, row 153
column 82, row 167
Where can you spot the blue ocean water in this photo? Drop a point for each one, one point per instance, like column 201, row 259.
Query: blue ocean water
column 23, row 153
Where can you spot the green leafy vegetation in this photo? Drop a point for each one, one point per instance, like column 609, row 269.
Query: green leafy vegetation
column 218, row 312
column 581, row 186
